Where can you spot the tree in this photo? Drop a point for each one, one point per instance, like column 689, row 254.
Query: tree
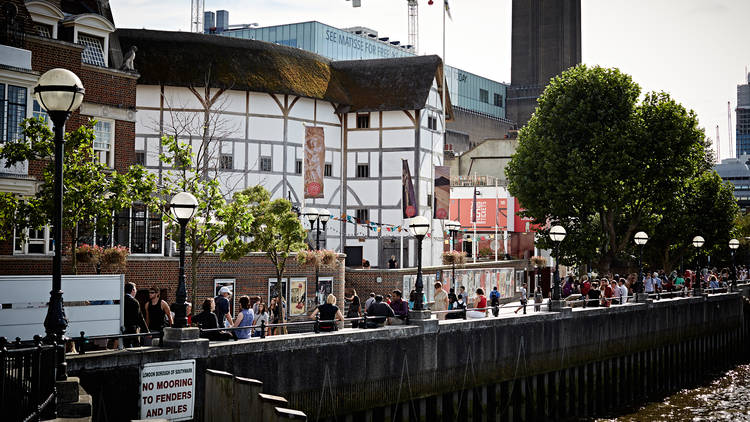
column 94, row 193
column 599, row 163
column 213, row 218
column 705, row 206
column 275, row 230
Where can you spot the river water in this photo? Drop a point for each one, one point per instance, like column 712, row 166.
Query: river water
column 726, row 397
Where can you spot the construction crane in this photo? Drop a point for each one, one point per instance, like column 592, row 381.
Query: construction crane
column 196, row 15
column 413, row 26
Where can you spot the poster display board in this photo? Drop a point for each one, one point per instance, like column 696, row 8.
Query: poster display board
column 168, row 390
column 297, row 296
column 325, row 287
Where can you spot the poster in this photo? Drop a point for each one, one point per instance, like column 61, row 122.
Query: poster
column 442, row 192
column 315, row 155
column 428, row 286
column 297, row 293
column 408, row 196
column 325, row 287
column 168, row 390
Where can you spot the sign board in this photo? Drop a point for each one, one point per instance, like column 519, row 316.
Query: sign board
column 168, row 390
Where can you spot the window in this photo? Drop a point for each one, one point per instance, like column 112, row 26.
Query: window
column 265, row 164
column 362, row 215
column 226, row 162
column 484, row 96
column 328, row 170
column 498, row 100
column 38, row 241
column 39, row 112
column 104, row 142
column 363, row 121
column 432, row 122
column 43, row 30
column 146, row 231
column 93, row 51
column 140, row 158
column 14, row 106
column 363, row 170
column 298, row 167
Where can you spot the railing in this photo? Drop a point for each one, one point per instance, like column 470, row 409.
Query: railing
column 27, row 380
column 124, row 340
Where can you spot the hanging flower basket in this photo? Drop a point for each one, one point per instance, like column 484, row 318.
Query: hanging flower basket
column 88, row 254
column 538, row 261
column 115, row 257
column 308, row 257
column 328, row 258
column 324, row 257
column 454, row 257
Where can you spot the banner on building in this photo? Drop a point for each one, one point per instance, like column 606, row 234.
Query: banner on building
column 408, row 196
column 315, row 157
column 442, row 192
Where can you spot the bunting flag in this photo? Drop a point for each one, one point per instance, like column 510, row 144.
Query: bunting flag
column 315, row 154
column 442, row 192
column 448, row 10
column 408, row 197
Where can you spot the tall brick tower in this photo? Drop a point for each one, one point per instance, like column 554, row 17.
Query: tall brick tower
column 545, row 40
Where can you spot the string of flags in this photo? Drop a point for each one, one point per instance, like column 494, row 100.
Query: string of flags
column 393, row 228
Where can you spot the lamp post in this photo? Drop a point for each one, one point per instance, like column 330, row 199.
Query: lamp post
column 557, row 234
column 733, row 245
column 419, row 226
column 453, row 226
column 311, row 214
column 60, row 92
column 698, row 242
column 323, row 216
column 640, row 239
column 183, row 207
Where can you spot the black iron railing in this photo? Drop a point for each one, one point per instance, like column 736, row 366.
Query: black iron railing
column 27, row 380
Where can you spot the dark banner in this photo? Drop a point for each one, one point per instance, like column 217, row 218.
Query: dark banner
column 408, row 197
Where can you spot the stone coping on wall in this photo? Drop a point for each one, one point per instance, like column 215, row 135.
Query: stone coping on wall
column 515, row 263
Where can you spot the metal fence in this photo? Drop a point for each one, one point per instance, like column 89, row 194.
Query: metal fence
column 27, row 380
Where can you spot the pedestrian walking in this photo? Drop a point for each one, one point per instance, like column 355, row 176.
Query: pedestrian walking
column 133, row 317
column 524, row 299
column 158, row 315
column 354, row 310
column 495, row 301
column 441, row 300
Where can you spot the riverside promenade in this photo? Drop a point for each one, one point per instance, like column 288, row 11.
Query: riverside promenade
column 540, row 366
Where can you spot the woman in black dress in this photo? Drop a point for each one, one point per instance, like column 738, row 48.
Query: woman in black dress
column 354, row 308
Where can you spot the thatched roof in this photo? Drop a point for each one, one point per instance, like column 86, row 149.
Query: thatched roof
column 189, row 59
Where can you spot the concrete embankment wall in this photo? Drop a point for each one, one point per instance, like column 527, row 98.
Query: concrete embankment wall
column 537, row 367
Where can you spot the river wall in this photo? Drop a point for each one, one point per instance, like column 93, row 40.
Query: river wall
column 542, row 366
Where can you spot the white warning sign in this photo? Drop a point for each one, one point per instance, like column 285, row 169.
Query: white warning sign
column 168, row 390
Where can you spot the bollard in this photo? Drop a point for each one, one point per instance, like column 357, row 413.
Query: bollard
column 316, row 325
column 81, row 342
column 282, row 414
column 263, row 329
column 364, row 320
column 219, row 392
column 268, row 403
column 247, row 405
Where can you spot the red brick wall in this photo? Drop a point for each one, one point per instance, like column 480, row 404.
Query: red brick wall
column 251, row 273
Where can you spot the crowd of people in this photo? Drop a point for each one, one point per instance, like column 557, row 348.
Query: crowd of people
column 590, row 290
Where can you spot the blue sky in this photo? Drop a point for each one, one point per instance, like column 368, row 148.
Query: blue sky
column 697, row 50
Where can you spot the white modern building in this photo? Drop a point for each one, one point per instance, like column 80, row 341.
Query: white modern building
column 375, row 113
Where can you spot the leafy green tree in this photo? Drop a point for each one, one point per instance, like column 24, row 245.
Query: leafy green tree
column 213, row 219
column 275, row 230
column 599, row 163
column 706, row 207
column 93, row 194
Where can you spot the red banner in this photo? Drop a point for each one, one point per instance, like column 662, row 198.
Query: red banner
column 487, row 215
column 315, row 157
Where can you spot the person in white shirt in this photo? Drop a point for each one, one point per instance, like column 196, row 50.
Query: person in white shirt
column 623, row 291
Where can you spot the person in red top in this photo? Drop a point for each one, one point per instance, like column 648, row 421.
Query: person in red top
column 585, row 287
column 608, row 293
column 480, row 303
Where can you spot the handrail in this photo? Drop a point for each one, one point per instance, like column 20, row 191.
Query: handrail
column 27, row 379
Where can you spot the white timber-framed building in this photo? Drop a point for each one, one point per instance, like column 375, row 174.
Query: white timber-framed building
column 260, row 96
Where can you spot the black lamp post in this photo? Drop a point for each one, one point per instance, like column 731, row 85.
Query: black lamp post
column 733, row 245
column 419, row 226
column 453, row 228
column 60, row 92
column 698, row 243
column 557, row 234
column 311, row 214
column 323, row 216
column 640, row 239
column 183, row 207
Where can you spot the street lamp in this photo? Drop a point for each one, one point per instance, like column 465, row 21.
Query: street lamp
column 419, row 226
column 59, row 92
column 733, row 245
column 323, row 216
column 183, row 207
column 453, row 227
column 698, row 242
column 557, row 234
column 640, row 239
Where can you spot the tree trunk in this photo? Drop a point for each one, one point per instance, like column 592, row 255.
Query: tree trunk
column 73, row 257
